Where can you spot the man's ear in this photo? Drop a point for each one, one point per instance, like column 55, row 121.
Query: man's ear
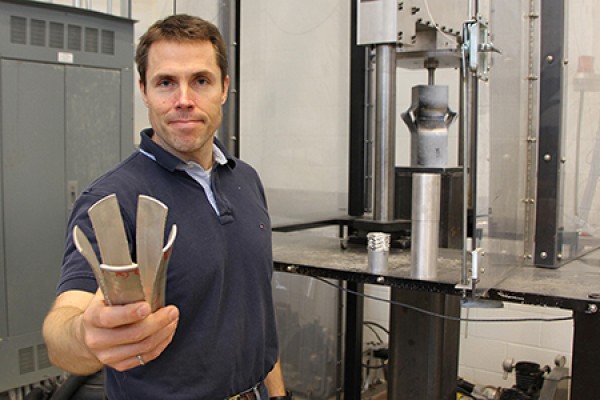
column 143, row 92
column 225, row 89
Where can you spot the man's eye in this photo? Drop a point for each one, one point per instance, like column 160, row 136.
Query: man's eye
column 202, row 81
column 164, row 83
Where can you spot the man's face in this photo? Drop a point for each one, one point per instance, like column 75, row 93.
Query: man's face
column 184, row 95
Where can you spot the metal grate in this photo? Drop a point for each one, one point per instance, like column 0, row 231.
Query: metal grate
column 108, row 42
column 74, row 37
column 26, row 360
column 57, row 35
column 38, row 32
column 18, row 30
column 43, row 361
column 42, row 33
column 91, row 40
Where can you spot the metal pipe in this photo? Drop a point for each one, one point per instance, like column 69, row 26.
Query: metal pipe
column 431, row 64
column 428, row 119
column 474, row 121
column 464, row 157
column 431, row 76
column 228, row 132
column 426, row 192
column 370, row 132
column 385, row 148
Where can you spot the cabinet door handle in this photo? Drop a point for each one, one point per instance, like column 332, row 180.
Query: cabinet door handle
column 72, row 193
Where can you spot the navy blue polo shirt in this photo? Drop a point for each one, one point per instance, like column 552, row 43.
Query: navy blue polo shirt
column 219, row 275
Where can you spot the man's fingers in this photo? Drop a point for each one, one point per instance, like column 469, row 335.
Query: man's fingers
column 102, row 316
column 124, row 356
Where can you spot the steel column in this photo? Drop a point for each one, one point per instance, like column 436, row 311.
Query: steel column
column 549, row 185
column 353, row 344
column 423, row 360
column 229, row 22
column 585, row 383
column 385, row 132
column 358, row 131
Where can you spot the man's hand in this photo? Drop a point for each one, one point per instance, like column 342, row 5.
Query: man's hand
column 83, row 333
column 116, row 335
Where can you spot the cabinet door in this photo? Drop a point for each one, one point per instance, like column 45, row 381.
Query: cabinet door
column 34, row 196
column 93, row 124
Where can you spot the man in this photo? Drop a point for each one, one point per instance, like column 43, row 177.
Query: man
column 216, row 338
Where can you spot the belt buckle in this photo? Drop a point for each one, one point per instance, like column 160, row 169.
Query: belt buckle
column 250, row 394
column 245, row 395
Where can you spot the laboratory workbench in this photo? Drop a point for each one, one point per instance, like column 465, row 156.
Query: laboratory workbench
column 574, row 286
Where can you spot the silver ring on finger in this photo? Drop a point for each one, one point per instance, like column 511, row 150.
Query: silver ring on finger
column 140, row 359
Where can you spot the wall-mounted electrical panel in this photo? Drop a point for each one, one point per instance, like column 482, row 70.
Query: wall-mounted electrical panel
column 66, row 115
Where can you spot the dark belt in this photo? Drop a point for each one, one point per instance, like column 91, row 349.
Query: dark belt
column 250, row 394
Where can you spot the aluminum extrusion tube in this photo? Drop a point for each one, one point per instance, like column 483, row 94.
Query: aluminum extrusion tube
column 378, row 246
column 428, row 119
column 385, row 132
column 426, row 190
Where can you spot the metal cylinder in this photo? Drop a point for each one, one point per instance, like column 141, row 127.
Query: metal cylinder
column 385, row 132
column 428, row 119
column 426, row 191
column 378, row 247
column 229, row 130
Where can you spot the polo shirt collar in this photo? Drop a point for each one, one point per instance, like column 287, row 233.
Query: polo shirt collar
column 170, row 161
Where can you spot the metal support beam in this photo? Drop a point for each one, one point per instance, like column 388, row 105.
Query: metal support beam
column 353, row 344
column 423, row 360
column 549, row 186
column 229, row 22
column 586, row 341
column 358, row 131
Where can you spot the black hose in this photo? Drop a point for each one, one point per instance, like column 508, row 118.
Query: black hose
column 36, row 394
column 465, row 386
column 69, row 387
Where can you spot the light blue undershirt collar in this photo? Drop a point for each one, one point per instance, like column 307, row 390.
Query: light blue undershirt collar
column 198, row 173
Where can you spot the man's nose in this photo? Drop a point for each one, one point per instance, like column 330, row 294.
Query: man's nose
column 184, row 98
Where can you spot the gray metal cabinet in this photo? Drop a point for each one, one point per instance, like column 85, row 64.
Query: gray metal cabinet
column 66, row 116
column 33, row 175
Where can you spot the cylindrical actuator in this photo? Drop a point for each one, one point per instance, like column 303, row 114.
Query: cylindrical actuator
column 426, row 189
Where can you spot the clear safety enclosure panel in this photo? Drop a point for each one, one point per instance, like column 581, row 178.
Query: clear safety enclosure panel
column 538, row 142
column 505, row 162
column 580, row 229
column 294, row 104
column 294, row 87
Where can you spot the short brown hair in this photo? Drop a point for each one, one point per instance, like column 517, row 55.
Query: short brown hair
column 181, row 28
